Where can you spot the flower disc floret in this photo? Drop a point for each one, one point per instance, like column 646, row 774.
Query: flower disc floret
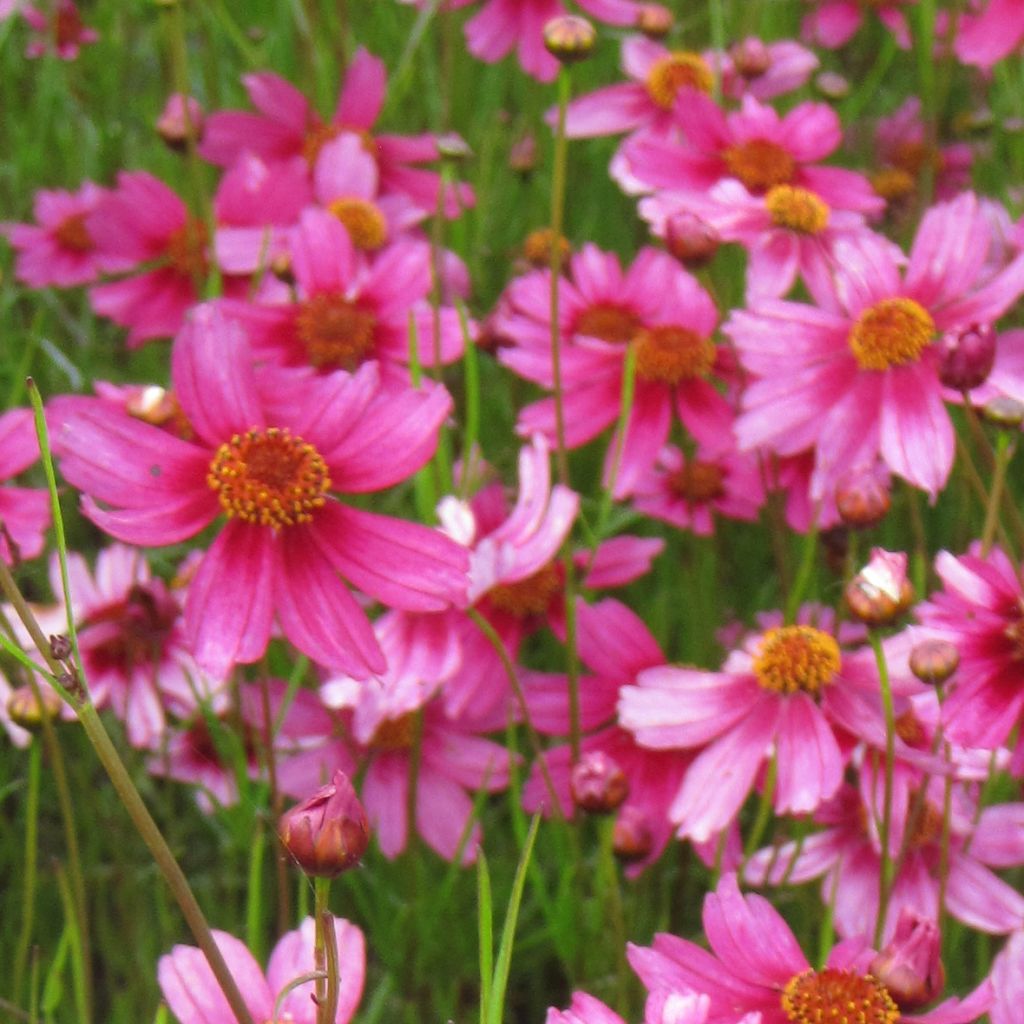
column 834, row 996
column 337, row 333
column 186, row 249
column 73, row 234
column 672, row 354
column 394, row 734
column 760, row 164
column 892, row 332
column 678, row 70
column 790, row 206
column 530, row 596
column 270, row 478
column 797, row 658
column 607, row 322
column 363, row 221
column 699, row 481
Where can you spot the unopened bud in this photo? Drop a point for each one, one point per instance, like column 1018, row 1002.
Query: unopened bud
column 453, row 147
column 598, row 783
column 1003, row 411
column 632, row 838
column 537, row 249
column 862, row 499
column 880, row 592
column 966, row 356
column 654, row 20
column 934, row 661
column 832, row 85
column 281, row 267
column 750, row 57
column 29, row 710
column 691, row 240
column 522, row 155
column 910, row 966
column 180, row 121
column 328, row 832
column 569, row 38
column 60, row 647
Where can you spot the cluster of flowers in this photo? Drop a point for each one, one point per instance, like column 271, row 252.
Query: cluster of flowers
column 299, row 390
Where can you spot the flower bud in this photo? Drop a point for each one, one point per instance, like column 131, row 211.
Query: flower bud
column 934, row 661
column 691, row 240
column 60, row 647
column 181, row 120
column 880, row 592
column 522, row 154
column 862, row 499
column 537, row 248
column 328, row 832
column 632, row 838
column 598, row 783
column 569, row 38
column 1003, row 411
column 750, row 57
column 832, row 85
column 910, row 966
column 453, row 147
column 966, row 356
column 28, row 711
column 654, row 20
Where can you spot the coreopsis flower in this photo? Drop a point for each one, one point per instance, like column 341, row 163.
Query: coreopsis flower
column 790, row 691
column 856, row 376
column 655, row 306
column 984, row 37
column 287, row 126
column 194, row 996
column 59, row 249
column 270, row 458
column 24, row 511
column 144, row 221
column 834, row 22
column 345, row 309
column 756, row 966
column 59, row 31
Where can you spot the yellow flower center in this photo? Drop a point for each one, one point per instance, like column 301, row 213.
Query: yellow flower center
column 698, row 482
column 337, row 333
column 672, row 354
column 892, row 183
column 268, row 477
column 797, row 209
column 608, row 322
column 890, row 333
column 363, row 221
column 530, row 596
column 72, row 233
column 186, row 249
column 793, row 658
column 912, row 157
column 394, row 733
column 834, row 996
column 681, row 69
column 759, row 164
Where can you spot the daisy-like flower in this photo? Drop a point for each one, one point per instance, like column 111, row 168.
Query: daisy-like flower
column 655, row 306
column 834, row 22
column 195, row 997
column 756, row 966
column 59, row 249
column 986, row 37
column 856, row 377
column 24, row 511
column 143, row 221
column 286, row 125
column 271, row 466
column 60, row 31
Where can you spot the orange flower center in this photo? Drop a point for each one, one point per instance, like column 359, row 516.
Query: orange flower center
column 317, row 136
column 394, row 733
column 759, row 164
column 337, row 333
column 363, row 221
column 912, row 157
column 266, row 476
column 890, row 333
column 72, row 233
column 530, row 596
column 186, row 249
column 834, row 996
column 698, row 482
column 793, row 658
column 608, row 322
column 926, row 827
column 892, row 183
column 672, row 354
column 678, row 70
column 537, row 248
column 797, row 209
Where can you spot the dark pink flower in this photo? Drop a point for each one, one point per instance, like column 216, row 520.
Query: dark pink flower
column 24, row 511
column 986, row 37
column 834, row 22
column 60, row 31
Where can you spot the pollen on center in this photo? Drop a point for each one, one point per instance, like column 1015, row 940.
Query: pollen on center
column 73, row 234
column 760, row 164
column 839, row 997
column 892, row 332
column 797, row 658
column 186, row 249
column 530, row 596
column 363, row 221
column 798, row 209
column 698, row 481
column 336, row 332
column 608, row 322
column 681, row 69
column 672, row 354
column 270, row 478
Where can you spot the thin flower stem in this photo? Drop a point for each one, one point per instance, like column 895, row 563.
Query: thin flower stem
column 947, row 824
column 325, row 954
column 1004, row 452
column 78, row 977
column 977, row 485
column 611, row 898
column 625, row 411
column 764, row 810
column 716, row 16
column 886, row 873
column 804, row 571
column 28, row 889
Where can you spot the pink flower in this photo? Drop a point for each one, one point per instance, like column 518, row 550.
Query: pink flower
column 856, row 377
column 143, row 221
column 61, row 32
column 195, row 997
column 585, row 1009
column 60, row 250
column 834, row 22
column 24, row 511
column 271, row 465
column 1008, row 981
column 756, row 966
column 751, row 67
column 987, row 37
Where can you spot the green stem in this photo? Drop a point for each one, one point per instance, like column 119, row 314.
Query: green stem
column 1004, row 452
column 28, row 889
column 764, row 810
column 325, row 954
column 625, row 411
column 78, row 976
column 804, row 571
column 886, row 873
column 611, row 897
